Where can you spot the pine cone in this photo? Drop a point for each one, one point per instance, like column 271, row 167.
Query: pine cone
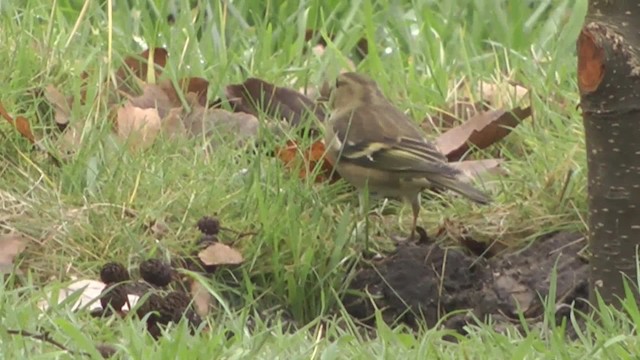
column 209, row 225
column 114, row 272
column 114, row 296
column 156, row 272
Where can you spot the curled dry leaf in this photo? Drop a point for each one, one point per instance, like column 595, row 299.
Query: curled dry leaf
column 138, row 127
column 11, row 245
column 308, row 160
column 20, row 123
column 61, row 105
column 89, row 291
column 153, row 97
column 219, row 125
column 256, row 96
column 502, row 95
column 220, row 254
column 478, row 169
column 203, row 301
column 480, row 131
column 460, row 111
column 138, row 65
column 173, row 126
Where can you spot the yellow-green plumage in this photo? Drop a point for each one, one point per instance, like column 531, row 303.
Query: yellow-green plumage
column 373, row 143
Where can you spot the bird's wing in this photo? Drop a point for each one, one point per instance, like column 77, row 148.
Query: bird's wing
column 397, row 147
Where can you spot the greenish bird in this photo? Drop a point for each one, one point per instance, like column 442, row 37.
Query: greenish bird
column 375, row 146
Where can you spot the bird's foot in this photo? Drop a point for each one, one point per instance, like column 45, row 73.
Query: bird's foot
column 418, row 236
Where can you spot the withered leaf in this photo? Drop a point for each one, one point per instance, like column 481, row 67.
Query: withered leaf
column 153, row 97
column 474, row 169
column 202, row 299
column 20, row 123
column 61, row 105
column 219, row 124
column 138, row 65
column 461, row 110
column 173, row 126
column 11, row 245
column 480, row 131
column 256, row 96
column 138, row 127
column 308, row 160
column 220, row 254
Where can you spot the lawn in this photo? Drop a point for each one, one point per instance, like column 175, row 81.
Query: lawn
column 105, row 202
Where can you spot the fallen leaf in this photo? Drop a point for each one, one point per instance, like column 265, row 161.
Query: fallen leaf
column 173, row 126
column 11, row 245
column 153, row 97
column 480, row 131
column 138, row 65
column 220, row 254
column 90, row 291
column 308, row 160
column 138, row 127
column 504, row 94
column 202, row 299
column 20, row 123
column 362, row 46
column 476, row 169
column 460, row 111
column 61, row 105
column 198, row 86
column 219, row 125
column 256, row 96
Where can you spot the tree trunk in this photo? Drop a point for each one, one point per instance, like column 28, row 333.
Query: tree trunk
column 609, row 83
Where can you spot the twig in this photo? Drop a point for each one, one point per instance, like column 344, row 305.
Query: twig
column 44, row 337
column 238, row 233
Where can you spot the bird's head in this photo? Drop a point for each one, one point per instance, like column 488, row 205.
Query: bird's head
column 352, row 90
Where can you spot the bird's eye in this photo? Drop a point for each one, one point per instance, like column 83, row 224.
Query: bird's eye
column 339, row 83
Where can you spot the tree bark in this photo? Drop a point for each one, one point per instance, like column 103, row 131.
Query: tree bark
column 609, row 83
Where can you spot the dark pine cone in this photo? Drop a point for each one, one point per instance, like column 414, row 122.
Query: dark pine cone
column 114, row 272
column 209, row 225
column 114, row 296
column 156, row 272
column 178, row 305
column 152, row 304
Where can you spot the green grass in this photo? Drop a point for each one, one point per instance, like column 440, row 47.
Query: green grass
column 303, row 251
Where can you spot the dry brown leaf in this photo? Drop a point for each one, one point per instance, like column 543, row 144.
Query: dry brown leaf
column 89, row 292
column 138, row 65
column 308, row 160
column 153, row 97
column 219, row 124
column 460, row 111
column 203, row 301
column 475, row 169
column 480, row 131
column 11, row 245
column 256, row 96
column 61, row 105
column 20, row 123
column 138, row 127
column 502, row 95
column 173, row 126
column 220, row 254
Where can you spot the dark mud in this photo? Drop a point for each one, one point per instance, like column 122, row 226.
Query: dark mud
column 424, row 282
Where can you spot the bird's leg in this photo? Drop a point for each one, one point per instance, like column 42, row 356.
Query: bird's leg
column 363, row 197
column 415, row 207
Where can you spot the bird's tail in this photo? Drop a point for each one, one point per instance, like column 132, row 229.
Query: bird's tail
column 462, row 188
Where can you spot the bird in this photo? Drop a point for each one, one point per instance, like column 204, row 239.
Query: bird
column 380, row 151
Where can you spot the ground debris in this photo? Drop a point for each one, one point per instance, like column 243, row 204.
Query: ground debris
column 421, row 283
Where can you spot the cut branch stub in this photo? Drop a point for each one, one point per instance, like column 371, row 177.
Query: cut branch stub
column 590, row 63
column 609, row 81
